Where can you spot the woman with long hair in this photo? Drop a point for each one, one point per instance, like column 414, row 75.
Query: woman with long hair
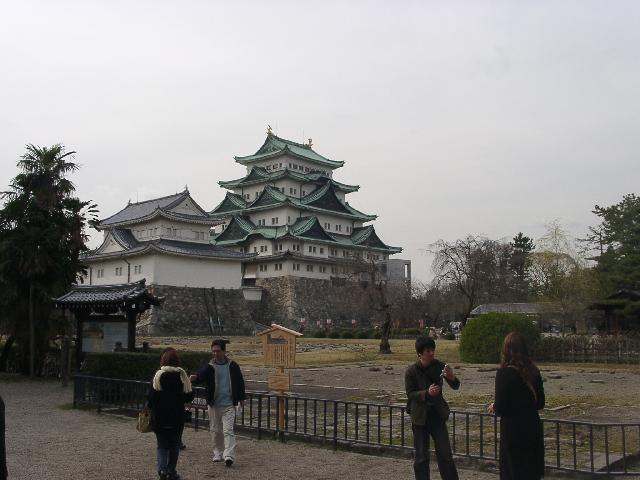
column 519, row 395
column 171, row 389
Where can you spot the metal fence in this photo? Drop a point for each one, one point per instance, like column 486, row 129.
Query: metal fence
column 578, row 447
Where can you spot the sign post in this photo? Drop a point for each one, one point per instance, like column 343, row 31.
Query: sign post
column 279, row 350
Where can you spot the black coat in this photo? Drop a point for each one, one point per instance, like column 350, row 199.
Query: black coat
column 3, row 453
column 207, row 374
column 167, row 405
column 521, row 436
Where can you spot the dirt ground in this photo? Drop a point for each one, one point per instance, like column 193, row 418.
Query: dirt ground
column 594, row 392
column 48, row 440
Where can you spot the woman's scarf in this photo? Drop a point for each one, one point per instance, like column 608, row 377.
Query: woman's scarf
column 186, row 383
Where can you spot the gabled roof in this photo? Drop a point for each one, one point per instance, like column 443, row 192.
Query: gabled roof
column 106, row 296
column 230, row 203
column 259, row 175
column 148, row 209
column 131, row 246
column 321, row 200
column 275, row 146
column 309, row 227
column 241, row 229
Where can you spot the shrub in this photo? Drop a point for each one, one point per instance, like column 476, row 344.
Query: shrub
column 481, row 339
column 549, row 348
column 136, row 366
column 319, row 334
column 410, row 332
column 449, row 336
column 347, row 334
column 363, row 333
column 334, row 334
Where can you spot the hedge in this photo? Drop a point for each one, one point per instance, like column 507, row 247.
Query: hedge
column 136, row 366
column 482, row 337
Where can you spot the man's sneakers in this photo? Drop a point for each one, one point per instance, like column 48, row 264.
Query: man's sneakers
column 228, row 462
column 217, row 458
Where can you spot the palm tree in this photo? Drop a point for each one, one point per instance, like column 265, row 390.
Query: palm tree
column 42, row 231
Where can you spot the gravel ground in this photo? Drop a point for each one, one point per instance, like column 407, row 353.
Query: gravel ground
column 47, row 440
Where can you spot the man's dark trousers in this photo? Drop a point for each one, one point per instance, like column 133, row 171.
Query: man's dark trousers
column 437, row 429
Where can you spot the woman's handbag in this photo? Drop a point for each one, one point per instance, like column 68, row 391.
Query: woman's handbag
column 187, row 416
column 144, row 421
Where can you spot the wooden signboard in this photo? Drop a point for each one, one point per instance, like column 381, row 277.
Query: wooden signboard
column 279, row 381
column 279, row 346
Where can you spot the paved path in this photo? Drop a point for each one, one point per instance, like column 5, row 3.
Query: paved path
column 47, row 440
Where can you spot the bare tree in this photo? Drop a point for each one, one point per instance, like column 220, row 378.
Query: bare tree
column 475, row 266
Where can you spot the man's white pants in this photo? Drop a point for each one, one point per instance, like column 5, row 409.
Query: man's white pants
column 221, row 421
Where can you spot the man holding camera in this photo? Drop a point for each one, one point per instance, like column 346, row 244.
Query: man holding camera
column 429, row 410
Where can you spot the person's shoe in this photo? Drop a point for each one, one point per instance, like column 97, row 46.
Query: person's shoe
column 217, row 458
column 173, row 476
column 228, row 462
column 163, row 475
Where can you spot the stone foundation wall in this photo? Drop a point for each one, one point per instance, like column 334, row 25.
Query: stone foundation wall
column 199, row 311
column 287, row 300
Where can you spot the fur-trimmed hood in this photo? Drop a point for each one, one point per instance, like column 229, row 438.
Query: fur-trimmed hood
column 184, row 378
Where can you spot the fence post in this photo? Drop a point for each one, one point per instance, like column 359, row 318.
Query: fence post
column 335, row 425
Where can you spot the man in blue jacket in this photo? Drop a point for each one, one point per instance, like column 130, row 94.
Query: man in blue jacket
column 225, row 390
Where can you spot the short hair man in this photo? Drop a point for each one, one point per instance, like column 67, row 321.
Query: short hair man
column 429, row 410
column 225, row 390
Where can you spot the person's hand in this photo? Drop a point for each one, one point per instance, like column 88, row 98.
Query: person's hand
column 491, row 408
column 193, row 378
column 434, row 390
column 447, row 372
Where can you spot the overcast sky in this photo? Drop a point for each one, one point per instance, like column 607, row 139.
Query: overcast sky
column 482, row 117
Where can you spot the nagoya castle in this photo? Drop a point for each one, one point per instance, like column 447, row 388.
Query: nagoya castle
column 283, row 246
column 290, row 212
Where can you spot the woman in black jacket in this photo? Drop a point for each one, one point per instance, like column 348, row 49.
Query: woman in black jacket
column 518, row 397
column 171, row 389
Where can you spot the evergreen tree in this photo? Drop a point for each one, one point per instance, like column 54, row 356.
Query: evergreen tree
column 520, row 260
column 616, row 242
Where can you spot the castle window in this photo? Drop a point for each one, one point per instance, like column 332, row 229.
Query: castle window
column 309, row 268
column 118, row 271
column 100, row 272
column 321, row 250
column 322, row 269
column 334, row 270
column 296, row 266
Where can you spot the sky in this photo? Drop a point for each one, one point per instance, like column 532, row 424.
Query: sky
column 455, row 118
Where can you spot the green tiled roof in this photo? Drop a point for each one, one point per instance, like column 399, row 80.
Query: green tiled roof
column 240, row 229
column 231, row 203
column 321, row 200
column 259, row 175
column 275, row 146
